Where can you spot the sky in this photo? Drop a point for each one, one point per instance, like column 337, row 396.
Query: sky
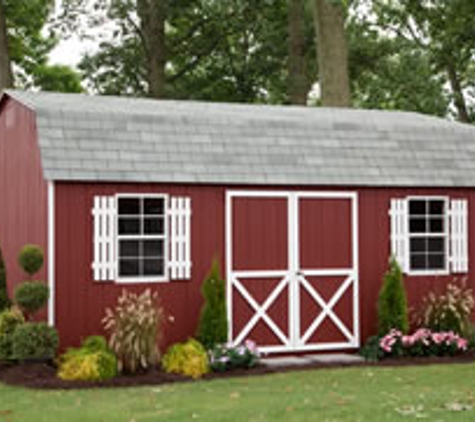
column 69, row 51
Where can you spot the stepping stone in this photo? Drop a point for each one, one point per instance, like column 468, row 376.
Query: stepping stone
column 334, row 358
column 286, row 361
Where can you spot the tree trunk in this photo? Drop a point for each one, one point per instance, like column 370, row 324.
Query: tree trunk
column 6, row 74
column 298, row 81
column 332, row 54
column 459, row 99
column 152, row 24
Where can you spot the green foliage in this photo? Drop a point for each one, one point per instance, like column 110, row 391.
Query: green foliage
column 205, row 40
column 189, row 359
column 57, row 78
column 92, row 366
column 442, row 31
column 31, row 296
column 225, row 358
column 392, row 302
column 450, row 310
column 392, row 73
column 10, row 319
column 31, row 259
column 93, row 361
column 34, row 340
column 213, row 326
column 4, row 300
column 371, row 351
column 135, row 327
column 95, row 344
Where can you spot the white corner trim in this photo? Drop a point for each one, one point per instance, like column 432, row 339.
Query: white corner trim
column 51, row 249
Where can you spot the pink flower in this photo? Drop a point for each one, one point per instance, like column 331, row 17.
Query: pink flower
column 462, row 344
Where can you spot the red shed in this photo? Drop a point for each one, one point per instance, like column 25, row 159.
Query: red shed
column 303, row 206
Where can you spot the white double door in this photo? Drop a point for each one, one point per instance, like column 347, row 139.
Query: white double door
column 292, row 277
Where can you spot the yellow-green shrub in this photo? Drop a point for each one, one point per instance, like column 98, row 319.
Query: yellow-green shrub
column 187, row 358
column 93, row 361
column 87, row 366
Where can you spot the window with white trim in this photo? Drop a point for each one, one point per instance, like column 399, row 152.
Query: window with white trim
column 141, row 236
column 429, row 234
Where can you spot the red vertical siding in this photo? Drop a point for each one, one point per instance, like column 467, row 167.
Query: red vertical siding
column 81, row 301
column 23, row 191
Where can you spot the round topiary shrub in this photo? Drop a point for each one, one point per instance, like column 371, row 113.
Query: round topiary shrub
column 31, row 296
column 31, row 259
column 34, row 341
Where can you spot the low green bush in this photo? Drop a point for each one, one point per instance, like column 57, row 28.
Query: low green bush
column 31, row 296
column 189, row 359
column 95, row 344
column 93, row 361
column 371, row 351
column 34, row 340
column 31, row 259
column 10, row 319
column 224, row 357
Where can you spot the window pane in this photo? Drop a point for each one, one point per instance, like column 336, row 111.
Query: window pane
column 436, row 207
column 129, row 206
column 129, row 226
column 154, row 206
column 417, row 225
column 436, row 225
column 153, row 248
column 153, row 267
column 129, row 248
column 437, row 261
column 418, row 245
column 436, row 245
column 418, row 261
column 417, row 207
column 129, row 267
column 154, row 226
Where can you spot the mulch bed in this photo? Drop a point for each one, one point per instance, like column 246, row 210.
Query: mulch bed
column 43, row 376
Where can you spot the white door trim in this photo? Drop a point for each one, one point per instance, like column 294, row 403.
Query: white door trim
column 294, row 278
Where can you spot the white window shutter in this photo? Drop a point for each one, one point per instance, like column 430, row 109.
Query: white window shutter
column 459, row 235
column 179, row 259
column 104, row 212
column 399, row 232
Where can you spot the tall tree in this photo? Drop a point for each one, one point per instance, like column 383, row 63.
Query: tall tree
column 226, row 50
column 298, row 80
column 332, row 53
column 6, row 74
column 152, row 15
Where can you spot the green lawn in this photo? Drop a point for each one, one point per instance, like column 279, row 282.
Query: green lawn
column 435, row 393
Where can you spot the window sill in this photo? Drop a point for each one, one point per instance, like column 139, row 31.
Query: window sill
column 144, row 280
column 428, row 273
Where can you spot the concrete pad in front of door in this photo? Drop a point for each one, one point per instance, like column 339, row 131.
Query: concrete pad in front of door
column 334, row 358
column 280, row 362
column 342, row 358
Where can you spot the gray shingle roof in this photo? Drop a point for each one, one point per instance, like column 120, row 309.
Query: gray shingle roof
column 121, row 139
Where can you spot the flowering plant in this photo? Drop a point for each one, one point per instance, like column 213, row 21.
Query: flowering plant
column 423, row 342
column 224, row 357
